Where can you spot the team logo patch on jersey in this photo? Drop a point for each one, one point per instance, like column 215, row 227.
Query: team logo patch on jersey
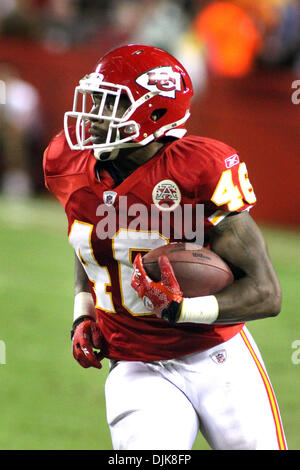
column 231, row 161
column 109, row 197
column 163, row 80
column 166, row 195
column 219, row 356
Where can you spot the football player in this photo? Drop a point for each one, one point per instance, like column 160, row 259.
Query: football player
column 178, row 365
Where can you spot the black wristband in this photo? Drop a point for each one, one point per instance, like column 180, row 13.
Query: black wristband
column 78, row 321
column 172, row 313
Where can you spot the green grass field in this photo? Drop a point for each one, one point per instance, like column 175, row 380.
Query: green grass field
column 47, row 401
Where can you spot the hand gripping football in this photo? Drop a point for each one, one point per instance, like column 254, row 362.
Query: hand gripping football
column 199, row 271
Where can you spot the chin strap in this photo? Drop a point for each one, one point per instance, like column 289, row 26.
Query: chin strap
column 109, row 153
column 106, row 154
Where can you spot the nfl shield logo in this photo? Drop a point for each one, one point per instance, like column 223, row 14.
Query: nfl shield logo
column 109, row 197
column 219, row 356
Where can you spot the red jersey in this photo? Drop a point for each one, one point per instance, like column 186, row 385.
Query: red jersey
column 109, row 224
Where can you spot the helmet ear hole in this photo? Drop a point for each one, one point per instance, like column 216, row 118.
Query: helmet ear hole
column 157, row 114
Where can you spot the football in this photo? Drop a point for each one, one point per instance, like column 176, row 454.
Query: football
column 199, row 271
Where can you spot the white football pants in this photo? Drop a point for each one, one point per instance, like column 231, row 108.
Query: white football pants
column 224, row 392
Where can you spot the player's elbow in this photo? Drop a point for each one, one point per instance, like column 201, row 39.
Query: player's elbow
column 275, row 305
column 272, row 300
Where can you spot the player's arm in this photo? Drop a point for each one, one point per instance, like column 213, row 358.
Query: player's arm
column 85, row 334
column 81, row 281
column 256, row 293
column 83, row 301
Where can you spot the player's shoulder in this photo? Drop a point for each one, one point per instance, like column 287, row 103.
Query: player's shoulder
column 203, row 151
column 60, row 160
column 195, row 159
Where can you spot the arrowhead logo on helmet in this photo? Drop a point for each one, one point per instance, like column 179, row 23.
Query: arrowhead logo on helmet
column 163, row 80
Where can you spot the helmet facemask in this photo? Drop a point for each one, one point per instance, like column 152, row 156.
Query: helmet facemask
column 97, row 102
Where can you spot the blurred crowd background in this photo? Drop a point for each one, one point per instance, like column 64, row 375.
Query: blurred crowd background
column 233, row 34
column 242, row 55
